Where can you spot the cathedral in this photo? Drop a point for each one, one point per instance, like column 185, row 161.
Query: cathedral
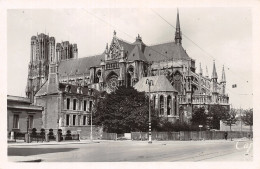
column 176, row 90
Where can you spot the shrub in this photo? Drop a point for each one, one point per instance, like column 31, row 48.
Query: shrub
column 68, row 135
column 51, row 136
column 34, row 131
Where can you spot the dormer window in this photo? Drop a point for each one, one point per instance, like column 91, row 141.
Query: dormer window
column 67, row 88
column 78, row 89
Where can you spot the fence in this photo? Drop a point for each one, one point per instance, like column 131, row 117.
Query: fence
column 70, row 137
column 37, row 137
column 17, row 136
column 109, row 136
column 190, row 135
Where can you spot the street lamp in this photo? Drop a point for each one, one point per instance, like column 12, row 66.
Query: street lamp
column 27, row 128
column 91, row 135
column 150, row 83
column 27, row 122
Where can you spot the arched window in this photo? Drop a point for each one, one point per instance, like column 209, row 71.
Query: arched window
column 169, row 105
column 178, row 81
column 154, row 101
column 161, row 105
column 128, row 80
column 175, row 106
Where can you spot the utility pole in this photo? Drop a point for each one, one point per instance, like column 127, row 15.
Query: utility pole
column 240, row 120
column 150, row 83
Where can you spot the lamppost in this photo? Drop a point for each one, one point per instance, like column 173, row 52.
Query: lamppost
column 27, row 122
column 27, row 128
column 91, row 135
column 150, row 83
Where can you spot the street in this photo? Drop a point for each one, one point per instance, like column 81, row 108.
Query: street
column 133, row 151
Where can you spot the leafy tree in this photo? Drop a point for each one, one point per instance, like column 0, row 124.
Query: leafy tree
column 124, row 110
column 199, row 117
column 215, row 114
column 230, row 118
column 247, row 118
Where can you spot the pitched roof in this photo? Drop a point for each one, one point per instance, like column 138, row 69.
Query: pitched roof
column 127, row 46
column 136, row 54
column 160, row 52
column 80, row 65
column 43, row 90
column 165, row 51
column 160, row 84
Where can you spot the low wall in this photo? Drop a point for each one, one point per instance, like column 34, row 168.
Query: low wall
column 190, row 135
column 109, row 136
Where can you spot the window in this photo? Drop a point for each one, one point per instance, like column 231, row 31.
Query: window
column 68, row 103
column 175, row 107
column 85, row 105
column 90, row 105
column 79, row 117
column 154, row 101
column 161, row 105
column 84, row 120
column 128, row 81
column 169, row 105
column 16, row 121
column 74, row 104
column 67, row 120
column 74, row 120
column 30, row 121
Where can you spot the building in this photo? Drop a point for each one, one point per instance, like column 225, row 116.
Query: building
column 125, row 63
column 66, row 106
column 42, row 53
column 21, row 114
column 163, row 95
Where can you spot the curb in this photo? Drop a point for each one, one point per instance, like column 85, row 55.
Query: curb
column 46, row 143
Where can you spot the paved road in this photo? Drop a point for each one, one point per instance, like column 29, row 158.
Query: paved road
column 134, row 151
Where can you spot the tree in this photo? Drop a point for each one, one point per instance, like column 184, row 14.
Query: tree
column 247, row 118
column 215, row 114
column 230, row 118
column 199, row 117
column 124, row 110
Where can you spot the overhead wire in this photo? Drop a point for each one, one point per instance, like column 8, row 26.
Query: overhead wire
column 167, row 57
column 207, row 54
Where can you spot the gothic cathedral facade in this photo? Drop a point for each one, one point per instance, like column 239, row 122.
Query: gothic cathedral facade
column 124, row 63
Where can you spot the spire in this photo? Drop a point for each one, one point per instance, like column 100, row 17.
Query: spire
column 214, row 73
column 178, row 20
column 178, row 37
column 201, row 70
column 223, row 79
column 207, row 73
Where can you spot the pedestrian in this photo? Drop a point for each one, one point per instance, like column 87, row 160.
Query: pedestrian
column 225, row 135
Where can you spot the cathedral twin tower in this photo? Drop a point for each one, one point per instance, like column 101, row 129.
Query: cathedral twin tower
column 43, row 53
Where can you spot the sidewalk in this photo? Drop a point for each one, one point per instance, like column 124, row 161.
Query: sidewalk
column 11, row 144
column 52, row 143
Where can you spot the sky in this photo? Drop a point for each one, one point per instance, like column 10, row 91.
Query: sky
column 223, row 34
